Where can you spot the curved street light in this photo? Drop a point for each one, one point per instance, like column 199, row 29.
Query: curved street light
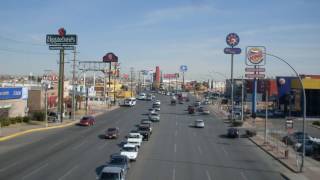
column 304, row 107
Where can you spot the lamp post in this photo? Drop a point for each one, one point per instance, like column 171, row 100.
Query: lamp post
column 304, row 107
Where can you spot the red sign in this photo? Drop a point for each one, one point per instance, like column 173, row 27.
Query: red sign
column 169, row 76
column 62, row 32
column 255, row 69
column 259, row 76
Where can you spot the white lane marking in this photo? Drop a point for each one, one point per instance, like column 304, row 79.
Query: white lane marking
column 176, row 133
column 208, row 175
column 175, row 148
column 103, row 146
column 35, row 171
column 174, row 174
column 243, row 176
column 79, row 145
column 199, row 149
column 68, row 172
column 7, row 167
column 225, row 151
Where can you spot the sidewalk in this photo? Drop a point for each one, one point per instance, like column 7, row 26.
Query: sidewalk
column 275, row 148
column 15, row 130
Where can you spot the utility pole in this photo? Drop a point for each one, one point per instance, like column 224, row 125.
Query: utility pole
column 242, row 99
column 61, row 86
column 74, row 84
column 265, row 122
column 131, row 79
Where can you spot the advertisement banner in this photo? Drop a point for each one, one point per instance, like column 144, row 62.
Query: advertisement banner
column 10, row 93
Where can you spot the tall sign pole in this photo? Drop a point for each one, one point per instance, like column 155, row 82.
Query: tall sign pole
column 110, row 58
column 183, row 69
column 61, row 42
column 232, row 40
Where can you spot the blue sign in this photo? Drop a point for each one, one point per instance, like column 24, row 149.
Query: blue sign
column 232, row 39
column 183, row 68
column 10, row 93
column 232, row 50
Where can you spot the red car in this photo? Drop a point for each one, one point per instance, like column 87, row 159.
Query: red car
column 87, row 121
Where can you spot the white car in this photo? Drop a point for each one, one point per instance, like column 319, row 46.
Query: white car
column 130, row 102
column 134, row 141
column 129, row 150
column 142, row 96
column 157, row 102
column 199, row 123
column 154, row 117
column 137, row 136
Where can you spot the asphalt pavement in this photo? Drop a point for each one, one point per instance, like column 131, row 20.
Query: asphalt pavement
column 175, row 151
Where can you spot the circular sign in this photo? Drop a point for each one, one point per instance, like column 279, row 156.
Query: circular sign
column 255, row 55
column 183, row 68
column 62, row 32
column 282, row 81
column 232, row 39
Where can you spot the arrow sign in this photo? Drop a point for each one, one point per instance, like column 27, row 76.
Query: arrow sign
column 255, row 69
column 232, row 50
column 259, row 76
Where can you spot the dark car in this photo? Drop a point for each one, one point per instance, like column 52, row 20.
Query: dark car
column 112, row 133
column 87, row 121
column 200, row 109
column 296, row 137
column 52, row 116
column 191, row 109
column 308, row 147
column 118, row 160
column 145, row 130
column 233, row 133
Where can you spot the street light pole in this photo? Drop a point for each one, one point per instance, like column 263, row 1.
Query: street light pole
column 304, row 107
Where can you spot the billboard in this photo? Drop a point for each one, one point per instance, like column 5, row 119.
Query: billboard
column 10, row 93
column 170, row 76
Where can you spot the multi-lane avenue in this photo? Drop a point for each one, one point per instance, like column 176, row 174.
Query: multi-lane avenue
column 175, row 151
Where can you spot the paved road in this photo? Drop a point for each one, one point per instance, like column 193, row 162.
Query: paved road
column 176, row 151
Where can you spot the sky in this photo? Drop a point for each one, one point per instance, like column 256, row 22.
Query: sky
column 166, row 33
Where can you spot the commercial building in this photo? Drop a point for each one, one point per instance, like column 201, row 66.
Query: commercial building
column 13, row 101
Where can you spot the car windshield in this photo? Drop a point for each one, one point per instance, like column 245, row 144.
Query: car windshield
column 129, row 149
column 117, row 161
column 112, row 129
column 109, row 176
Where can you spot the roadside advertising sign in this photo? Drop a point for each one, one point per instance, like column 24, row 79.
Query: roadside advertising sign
column 61, row 47
column 183, row 68
column 255, row 55
column 258, row 69
column 232, row 39
column 10, row 93
column 169, row 76
column 259, row 76
column 232, row 50
column 110, row 57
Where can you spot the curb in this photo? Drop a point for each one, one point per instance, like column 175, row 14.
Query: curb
column 279, row 160
column 318, row 127
column 44, row 128
column 35, row 130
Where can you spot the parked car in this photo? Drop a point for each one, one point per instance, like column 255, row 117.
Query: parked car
column 233, row 133
column 134, row 141
column 197, row 103
column 52, row 117
column 154, row 117
column 129, row 102
column 199, row 123
column 129, row 150
column 156, row 107
column 308, row 147
column 137, row 136
column 87, row 121
column 112, row 172
column 158, row 102
column 145, row 130
column 142, row 96
column 117, row 160
column 112, row 133
column 296, row 137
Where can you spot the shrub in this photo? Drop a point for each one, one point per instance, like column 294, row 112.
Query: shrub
column 38, row 116
column 316, row 123
column 26, row 119
column 18, row 119
column 12, row 120
column 5, row 122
